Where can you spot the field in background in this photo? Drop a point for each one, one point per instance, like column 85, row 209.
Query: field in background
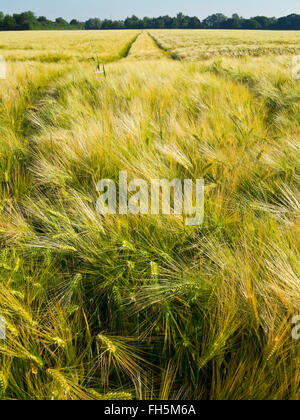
column 142, row 306
column 206, row 44
column 65, row 46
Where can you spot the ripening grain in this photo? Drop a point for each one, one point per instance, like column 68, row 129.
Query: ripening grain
column 140, row 306
column 65, row 46
column 206, row 44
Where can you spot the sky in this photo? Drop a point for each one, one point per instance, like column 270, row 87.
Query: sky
column 120, row 9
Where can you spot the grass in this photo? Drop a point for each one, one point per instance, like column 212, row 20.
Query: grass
column 65, row 46
column 145, row 49
column 206, row 44
column 143, row 306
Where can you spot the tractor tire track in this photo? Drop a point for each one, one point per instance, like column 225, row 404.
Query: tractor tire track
column 145, row 48
column 167, row 53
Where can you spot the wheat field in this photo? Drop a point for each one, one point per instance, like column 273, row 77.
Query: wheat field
column 145, row 307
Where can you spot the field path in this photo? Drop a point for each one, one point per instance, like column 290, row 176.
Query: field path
column 145, row 48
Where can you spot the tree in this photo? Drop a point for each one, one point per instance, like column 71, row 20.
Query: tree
column 291, row 22
column 251, row 24
column 147, row 23
column 25, row 21
column 195, row 23
column 214, row 21
column 235, row 22
column 28, row 21
column 168, row 21
column 264, row 22
column 185, row 22
column 133, row 22
column 9, row 23
column 42, row 19
column 93, row 24
column 160, row 23
column 61, row 21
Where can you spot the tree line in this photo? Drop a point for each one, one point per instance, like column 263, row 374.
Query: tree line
column 28, row 21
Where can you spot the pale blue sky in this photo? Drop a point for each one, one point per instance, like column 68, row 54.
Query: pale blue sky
column 119, row 9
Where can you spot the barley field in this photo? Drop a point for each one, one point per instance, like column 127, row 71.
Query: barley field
column 145, row 307
column 206, row 44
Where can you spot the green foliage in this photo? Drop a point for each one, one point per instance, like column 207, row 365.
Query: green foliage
column 28, row 21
